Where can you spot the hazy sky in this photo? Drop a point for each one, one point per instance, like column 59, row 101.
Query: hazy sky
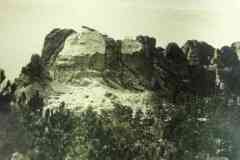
column 25, row 23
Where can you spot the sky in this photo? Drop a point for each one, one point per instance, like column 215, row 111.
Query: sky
column 25, row 23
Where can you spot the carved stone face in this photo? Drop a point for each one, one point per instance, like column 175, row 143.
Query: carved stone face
column 84, row 43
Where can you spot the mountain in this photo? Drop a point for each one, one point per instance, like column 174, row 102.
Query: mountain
column 92, row 69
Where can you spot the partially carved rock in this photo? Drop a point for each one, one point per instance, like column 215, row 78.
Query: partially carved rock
column 90, row 59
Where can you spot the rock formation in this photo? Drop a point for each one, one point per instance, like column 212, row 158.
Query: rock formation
column 53, row 44
column 230, row 70
column 200, row 56
column 33, row 77
column 92, row 69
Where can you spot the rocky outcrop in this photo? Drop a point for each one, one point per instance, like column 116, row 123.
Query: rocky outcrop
column 134, row 59
column 174, row 70
column 54, row 43
column 91, row 53
column 83, row 55
column 229, row 70
column 132, row 64
column 90, row 58
column 198, row 53
column 200, row 57
column 33, row 77
column 35, row 71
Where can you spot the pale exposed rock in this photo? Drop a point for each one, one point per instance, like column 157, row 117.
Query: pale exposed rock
column 83, row 55
column 79, row 72
column 135, row 64
column 217, row 158
column 19, row 156
column 130, row 46
column 128, row 63
column 99, row 96
column 84, row 43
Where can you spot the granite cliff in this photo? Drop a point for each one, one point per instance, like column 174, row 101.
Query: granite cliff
column 92, row 69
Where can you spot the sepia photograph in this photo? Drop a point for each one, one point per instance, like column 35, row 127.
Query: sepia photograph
column 119, row 80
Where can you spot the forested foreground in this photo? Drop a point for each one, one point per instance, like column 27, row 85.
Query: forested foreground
column 197, row 130
column 117, row 78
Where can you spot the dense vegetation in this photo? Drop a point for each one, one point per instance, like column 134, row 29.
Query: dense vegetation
column 193, row 131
